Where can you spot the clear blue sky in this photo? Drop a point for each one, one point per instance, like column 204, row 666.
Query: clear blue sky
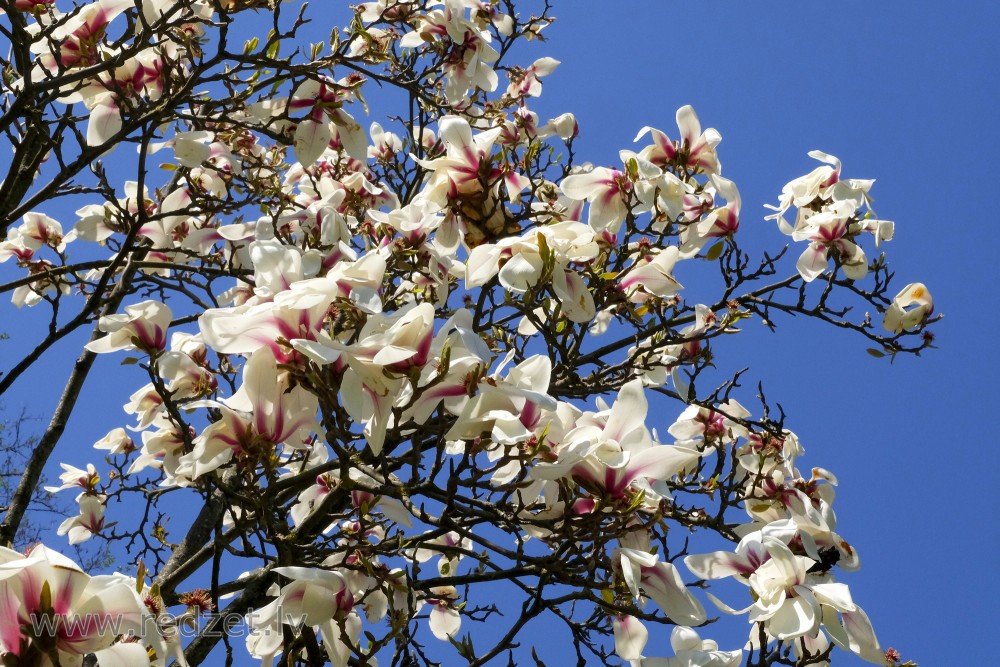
column 901, row 92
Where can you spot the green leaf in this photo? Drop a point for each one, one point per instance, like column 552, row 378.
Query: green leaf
column 878, row 354
column 715, row 251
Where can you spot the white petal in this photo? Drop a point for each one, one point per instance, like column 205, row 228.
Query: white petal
column 796, row 617
column 664, row 585
column 444, row 622
column 122, row 655
column 311, row 139
column 105, row 122
column 630, row 637
column 812, row 262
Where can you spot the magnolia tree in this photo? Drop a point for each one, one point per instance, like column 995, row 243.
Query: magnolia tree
column 393, row 376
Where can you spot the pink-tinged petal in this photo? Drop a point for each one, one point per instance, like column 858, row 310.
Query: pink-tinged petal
column 646, row 130
column 586, row 186
column 861, row 636
column 718, row 565
column 663, row 584
column 630, row 637
column 632, row 562
column 105, row 122
column 545, row 66
column 110, row 607
column 516, row 183
column 393, row 354
column 577, row 301
column 191, row 153
column 444, row 621
column 812, row 263
column 827, row 158
column 607, row 211
column 312, row 602
column 316, row 352
column 311, row 140
column 351, row 135
column 10, row 634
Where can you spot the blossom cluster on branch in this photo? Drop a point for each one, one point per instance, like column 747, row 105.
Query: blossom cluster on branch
column 396, row 367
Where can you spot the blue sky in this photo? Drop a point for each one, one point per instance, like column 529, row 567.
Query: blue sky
column 901, row 92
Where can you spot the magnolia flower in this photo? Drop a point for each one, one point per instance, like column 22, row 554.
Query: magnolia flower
column 695, row 150
column 143, row 327
column 444, row 620
column 691, row 650
column 711, row 425
column 526, row 83
column 89, row 522
column 36, row 231
column 609, row 452
column 546, row 252
column 787, row 599
column 660, row 581
column 818, row 190
column 563, row 126
column 607, row 190
column 77, row 41
column 829, row 231
column 324, row 100
column 451, row 547
column 50, row 609
column 469, row 54
column 315, row 597
column 75, row 477
column 897, row 318
column 267, row 411
column 652, row 275
column 466, row 165
column 722, row 222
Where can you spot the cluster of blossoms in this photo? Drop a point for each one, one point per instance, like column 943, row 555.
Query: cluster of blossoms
column 52, row 613
column 397, row 374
